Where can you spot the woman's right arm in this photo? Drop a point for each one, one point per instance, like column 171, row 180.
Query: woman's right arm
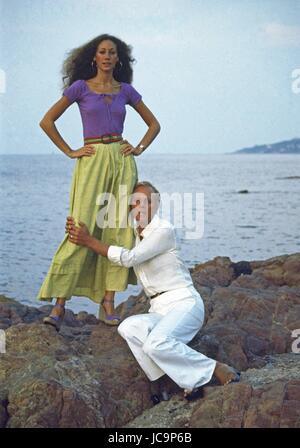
column 48, row 126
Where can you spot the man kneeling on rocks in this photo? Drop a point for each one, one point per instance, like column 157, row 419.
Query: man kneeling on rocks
column 158, row 338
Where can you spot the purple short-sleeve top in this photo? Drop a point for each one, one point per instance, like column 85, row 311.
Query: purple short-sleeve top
column 100, row 117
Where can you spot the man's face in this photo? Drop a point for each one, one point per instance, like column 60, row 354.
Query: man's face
column 144, row 204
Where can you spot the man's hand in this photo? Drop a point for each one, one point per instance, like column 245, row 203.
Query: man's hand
column 77, row 235
column 81, row 237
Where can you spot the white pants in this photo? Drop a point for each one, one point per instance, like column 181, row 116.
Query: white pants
column 158, row 339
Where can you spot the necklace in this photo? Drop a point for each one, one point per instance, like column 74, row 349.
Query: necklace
column 112, row 88
column 98, row 84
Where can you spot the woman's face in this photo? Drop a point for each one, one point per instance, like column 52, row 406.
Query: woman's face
column 106, row 55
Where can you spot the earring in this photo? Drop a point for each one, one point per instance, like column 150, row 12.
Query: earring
column 116, row 66
column 93, row 64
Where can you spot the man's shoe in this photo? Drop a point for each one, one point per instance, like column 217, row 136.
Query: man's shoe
column 155, row 399
column 159, row 390
column 164, row 395
column 191, row 395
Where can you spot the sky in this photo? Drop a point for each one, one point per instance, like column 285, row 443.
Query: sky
column 217, row 74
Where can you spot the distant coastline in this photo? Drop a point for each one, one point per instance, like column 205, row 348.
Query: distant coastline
column 285, row 147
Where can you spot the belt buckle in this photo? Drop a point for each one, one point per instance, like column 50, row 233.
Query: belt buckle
column 156, row 295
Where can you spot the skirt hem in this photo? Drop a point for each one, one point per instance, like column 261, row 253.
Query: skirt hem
column 81, row 292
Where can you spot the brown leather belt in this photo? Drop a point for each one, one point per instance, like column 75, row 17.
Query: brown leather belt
column 157, row 294
column 108, row 138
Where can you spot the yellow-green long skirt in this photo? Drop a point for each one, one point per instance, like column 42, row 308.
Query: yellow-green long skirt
column 76, row 270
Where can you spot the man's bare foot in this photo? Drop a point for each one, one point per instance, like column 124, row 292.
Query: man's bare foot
column 226, row 374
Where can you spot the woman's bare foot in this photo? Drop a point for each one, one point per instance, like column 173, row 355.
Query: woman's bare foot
column 107, row 312
column 108, row 302
column 109, row 306
column 57, row 314
column 57, row 311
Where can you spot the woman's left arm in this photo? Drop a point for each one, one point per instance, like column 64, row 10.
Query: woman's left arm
column 153, row 130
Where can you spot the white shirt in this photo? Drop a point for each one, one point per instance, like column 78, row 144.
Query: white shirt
column 155, row 258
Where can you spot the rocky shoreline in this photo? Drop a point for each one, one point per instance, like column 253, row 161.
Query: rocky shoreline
column 86, row 376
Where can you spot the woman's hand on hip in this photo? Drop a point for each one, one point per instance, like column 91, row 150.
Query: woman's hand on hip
column 84, row 151
column 128, row 149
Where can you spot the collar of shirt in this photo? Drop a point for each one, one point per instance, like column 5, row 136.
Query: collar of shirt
column 153, row 224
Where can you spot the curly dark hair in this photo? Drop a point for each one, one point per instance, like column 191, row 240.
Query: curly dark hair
column 77, row 65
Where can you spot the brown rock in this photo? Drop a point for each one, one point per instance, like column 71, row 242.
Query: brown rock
column 265, row 398
column 86, row 376
column 241, row 406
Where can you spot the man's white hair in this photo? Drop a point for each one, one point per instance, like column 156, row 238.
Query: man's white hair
column 148, row 184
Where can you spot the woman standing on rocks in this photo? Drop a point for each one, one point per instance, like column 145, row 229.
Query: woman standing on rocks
column 99, row 77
